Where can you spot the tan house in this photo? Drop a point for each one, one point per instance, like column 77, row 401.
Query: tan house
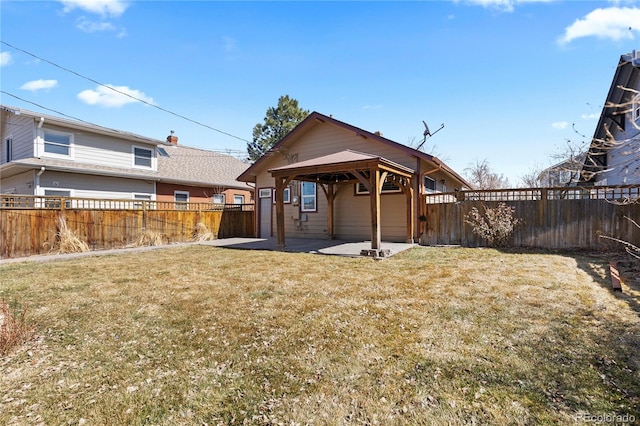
column 329, row 179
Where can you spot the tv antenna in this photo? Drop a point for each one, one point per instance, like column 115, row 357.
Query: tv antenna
column 427, row 133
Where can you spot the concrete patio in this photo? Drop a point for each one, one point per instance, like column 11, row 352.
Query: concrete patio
column 293, row 245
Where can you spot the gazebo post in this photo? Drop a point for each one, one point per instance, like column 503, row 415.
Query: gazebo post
column 374, row 194
column 410, row 212
column 280, row 184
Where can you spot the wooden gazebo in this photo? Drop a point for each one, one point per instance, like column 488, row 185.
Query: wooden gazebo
column 342, row 169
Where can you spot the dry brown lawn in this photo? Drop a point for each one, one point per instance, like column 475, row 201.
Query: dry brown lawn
column 432, row 336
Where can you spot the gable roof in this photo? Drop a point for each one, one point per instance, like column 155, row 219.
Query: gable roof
column 315, row 119
column 615, row 109
column 81, row 125
column 193, row 166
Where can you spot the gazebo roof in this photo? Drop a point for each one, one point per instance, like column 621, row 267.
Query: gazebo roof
column 340, row 166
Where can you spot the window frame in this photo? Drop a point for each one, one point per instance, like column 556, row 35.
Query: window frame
column 224, row 198
column 428, row 190
column 286, row 196
column 181, row 205
column 134, row 157
column 635, row 109
column 262, row 193
column 53, row 204
column 8, row 149
column 235, row 201
column 70, row 146
column 304, row 196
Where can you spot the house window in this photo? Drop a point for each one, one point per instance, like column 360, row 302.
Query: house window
column 57, row 143
column 636, row 110
column 8, row 143
column 218, row 199
column 238, row 199
column 264, row 193
column 142, row 157
column 141, row 197
column 53, row 203
column 308, row 196
column 387, row 187
column 286, row 197
column 181, row 198
column 429, row 185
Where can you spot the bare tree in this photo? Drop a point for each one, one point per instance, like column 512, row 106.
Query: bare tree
column 481, row 176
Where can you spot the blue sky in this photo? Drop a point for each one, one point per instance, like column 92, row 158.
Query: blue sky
column 509, row 79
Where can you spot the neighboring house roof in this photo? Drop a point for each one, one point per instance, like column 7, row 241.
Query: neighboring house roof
column 82, row 125
column 193, row 166
column 616, row 107
column 315, row 118
column 54, row 164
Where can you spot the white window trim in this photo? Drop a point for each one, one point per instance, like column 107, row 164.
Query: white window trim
column 264, row 193
column 238, row 195
column 133, row 157
column 42, row 143
column 8, row 149
column 636, row 110
column 286, row 196
column 224, row 198
column 43, row 190
column 315, row 197
column 428, row 190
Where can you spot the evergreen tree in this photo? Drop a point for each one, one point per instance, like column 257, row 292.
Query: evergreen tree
column 278, row 122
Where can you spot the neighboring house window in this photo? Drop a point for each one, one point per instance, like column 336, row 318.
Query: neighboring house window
column 55, row 204
column 308, row 196
column 636, row 110
column 219, row 199
column 286, row 196
column 8, row 149
column 181, row 198
column 142, row 157
column 145, row 197
column 429, row 185
column 238, row 199
column 57, row 143
column 387, row 187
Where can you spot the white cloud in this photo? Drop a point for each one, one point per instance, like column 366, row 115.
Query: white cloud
column 104, row 96
column 39, row 85
column 503, row 5
column 591, row 116
column 5, row 58
column 101, row 7
column 560, row 125
column 91, row 27
column 615, row 23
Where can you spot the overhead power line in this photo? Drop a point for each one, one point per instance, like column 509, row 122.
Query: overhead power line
column 117, row 91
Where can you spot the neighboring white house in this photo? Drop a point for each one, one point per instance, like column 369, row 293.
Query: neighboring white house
column 47, row 155
column 614, row 154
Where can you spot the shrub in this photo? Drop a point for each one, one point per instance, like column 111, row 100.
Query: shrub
column 202, row 233
column 14, row 330
column 496, row 225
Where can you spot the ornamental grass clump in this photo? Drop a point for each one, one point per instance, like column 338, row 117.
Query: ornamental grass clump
column 149, row 238
column 68, row 241
column 496, row 225
column 202, row 233
column 14, row 330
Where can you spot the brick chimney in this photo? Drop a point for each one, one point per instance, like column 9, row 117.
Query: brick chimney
column 172, row 139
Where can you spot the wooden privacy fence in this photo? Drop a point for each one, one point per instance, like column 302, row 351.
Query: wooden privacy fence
column 29, row 225
column 551, row 218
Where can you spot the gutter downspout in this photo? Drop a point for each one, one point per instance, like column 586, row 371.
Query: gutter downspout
column 37, row 185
